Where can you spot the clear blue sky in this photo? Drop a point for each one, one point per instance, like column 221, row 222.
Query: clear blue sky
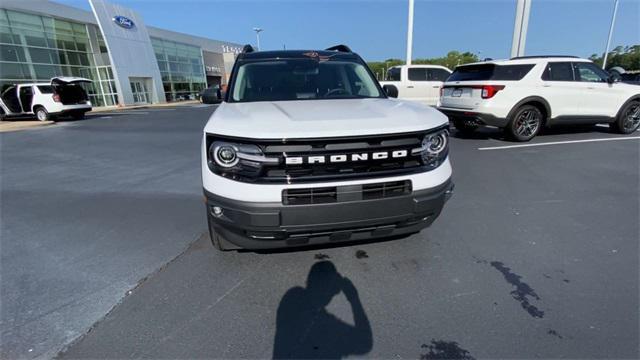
column 377, row 29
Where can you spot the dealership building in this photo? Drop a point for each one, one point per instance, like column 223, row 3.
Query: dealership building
column 128, row 62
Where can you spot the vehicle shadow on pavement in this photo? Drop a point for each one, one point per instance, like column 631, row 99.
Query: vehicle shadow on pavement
column 304, row 328
column 498, row 134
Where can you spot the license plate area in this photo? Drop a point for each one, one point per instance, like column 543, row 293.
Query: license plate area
column 456, row 93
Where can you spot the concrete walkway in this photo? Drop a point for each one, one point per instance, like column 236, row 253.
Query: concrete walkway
column 23, row 123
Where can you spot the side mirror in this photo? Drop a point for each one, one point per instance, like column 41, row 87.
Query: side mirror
column 391, row 91
column 220, row 94
column 613, row 78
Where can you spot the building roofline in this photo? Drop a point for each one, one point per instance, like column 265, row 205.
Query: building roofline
column 71, row 13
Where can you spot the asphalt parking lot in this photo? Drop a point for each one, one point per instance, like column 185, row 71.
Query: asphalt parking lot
column 105, row 254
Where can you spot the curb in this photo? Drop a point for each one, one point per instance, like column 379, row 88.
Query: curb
column 146, row 106
column 9, row 126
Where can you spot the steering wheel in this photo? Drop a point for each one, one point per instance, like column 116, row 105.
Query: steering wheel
column 336, row 92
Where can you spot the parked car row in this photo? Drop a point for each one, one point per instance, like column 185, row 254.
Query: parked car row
column 524, row 94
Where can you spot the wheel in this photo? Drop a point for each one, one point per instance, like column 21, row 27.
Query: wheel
column 628, row 119
column 42, row 114
column 464, row 127
column 525, row 123
column 216, row 240
column 78, row 116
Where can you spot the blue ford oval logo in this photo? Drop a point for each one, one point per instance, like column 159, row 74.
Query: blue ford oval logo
column 124, row 22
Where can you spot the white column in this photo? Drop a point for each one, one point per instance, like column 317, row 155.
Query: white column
column 523, row 9
column 410, row 33
column 613, row 22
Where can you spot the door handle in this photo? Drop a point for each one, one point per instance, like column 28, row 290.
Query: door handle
column 410, row 87
column 436, row 86
column 590, row 87
column 546, row 85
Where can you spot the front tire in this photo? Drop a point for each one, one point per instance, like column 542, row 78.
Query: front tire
column 525, row 123
column 628, row 119
column 42, row 114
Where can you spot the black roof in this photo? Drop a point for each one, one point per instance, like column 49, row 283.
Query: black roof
column 293, row 54
column 543, row 56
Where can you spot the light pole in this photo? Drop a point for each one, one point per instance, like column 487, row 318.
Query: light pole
column 613, row 22
column 523, row 9
column 258, row 31
column 410, row 33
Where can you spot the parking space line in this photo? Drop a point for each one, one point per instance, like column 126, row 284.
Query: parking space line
column 559, row 143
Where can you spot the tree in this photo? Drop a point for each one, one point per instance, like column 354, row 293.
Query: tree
column 627, row 57
column 451, row 60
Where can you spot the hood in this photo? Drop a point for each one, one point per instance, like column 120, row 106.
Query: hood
column 322, row 118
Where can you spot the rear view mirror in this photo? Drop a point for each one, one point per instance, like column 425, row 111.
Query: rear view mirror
column 391, row 91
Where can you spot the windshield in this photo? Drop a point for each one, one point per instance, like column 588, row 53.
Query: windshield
column 303, row 79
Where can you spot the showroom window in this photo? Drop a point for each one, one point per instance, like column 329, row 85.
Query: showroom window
column 35, row 48
column 181, row 68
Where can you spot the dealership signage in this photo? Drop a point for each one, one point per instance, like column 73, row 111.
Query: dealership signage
column 231, row 49
column 123, row 22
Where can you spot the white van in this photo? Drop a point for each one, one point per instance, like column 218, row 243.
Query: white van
column 63, row 96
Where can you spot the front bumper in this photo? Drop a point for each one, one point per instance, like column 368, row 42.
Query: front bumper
column 274, row 225
column 474, row 118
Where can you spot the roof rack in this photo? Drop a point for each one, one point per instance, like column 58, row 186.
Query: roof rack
column 339, row 48
column 543, row 56
column 247, row 49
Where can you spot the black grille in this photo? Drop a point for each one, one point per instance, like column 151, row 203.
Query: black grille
column 310, row 196
column 334, row 194
column 327, row 171
column 385, row 190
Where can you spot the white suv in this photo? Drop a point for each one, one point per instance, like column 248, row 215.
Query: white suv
column 524, row 94
column 307, row 148
column 63, row 96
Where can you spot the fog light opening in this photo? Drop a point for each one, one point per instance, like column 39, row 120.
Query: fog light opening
column 217, row 211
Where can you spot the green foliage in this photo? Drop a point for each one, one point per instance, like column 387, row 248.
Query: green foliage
column 627, row 57
column 453, row 59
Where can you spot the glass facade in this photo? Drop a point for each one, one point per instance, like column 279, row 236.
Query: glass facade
column 36, row 48
column 181, row 68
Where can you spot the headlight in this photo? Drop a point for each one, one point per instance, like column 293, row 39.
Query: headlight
column 434, row 148
column 237, row 160
column 225, row 155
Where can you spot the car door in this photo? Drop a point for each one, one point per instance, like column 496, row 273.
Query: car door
column 26, row 97
column 11, row 100
column 599, row 97
column 417, row 85
column 559, row 89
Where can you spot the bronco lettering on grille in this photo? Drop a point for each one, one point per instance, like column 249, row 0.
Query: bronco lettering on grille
column 342, row 158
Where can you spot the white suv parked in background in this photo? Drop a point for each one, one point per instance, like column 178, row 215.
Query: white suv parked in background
column 63, row 96
column 524, row 94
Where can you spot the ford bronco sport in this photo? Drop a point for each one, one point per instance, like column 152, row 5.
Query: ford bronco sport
column 307, row 148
